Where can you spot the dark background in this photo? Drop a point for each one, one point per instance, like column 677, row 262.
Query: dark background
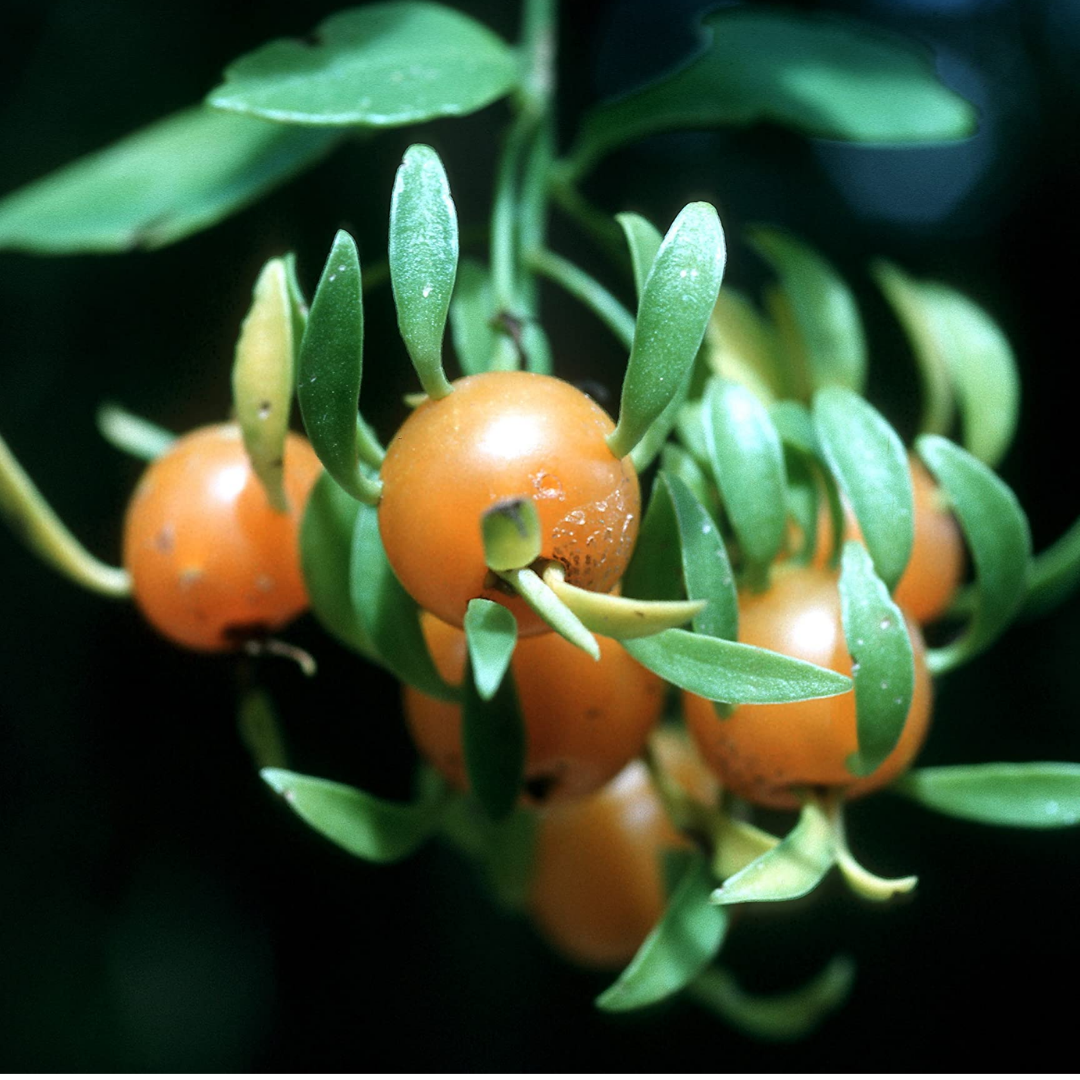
column 160, row 911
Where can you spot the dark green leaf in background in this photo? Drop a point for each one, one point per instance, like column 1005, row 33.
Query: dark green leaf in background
column 364, row 825
column 644, row 240
column 490, row 634
column 996, row 530
column 493, row 740
column 706, row 569
column 655, row 568
column 471, row 309
column 423, row 261
column 828, row 335
column 383, row 65
column 1032, row 795
column 1055, row 573
column 869, row 462
column 883, row 665
column 159, row 185
column 729, row 671
column 676, row 303
column 389, row 615
column 825, row 76
column 684, row 942
column 747, row 460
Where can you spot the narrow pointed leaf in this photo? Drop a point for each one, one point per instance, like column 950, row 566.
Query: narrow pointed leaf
column 260, row 729
column 388, row 614
column 1032, row 795
column 423, row 261
column 829, row 334
column 620, row 617
column 747, row 460
column 729, row 671
column 363, row 825
column 165, row 182
column 825, row 76
column 676, row 302
column 331, row 368
column 1055, row 574
column 883, row 664
column 493, row 740
column 132, row 434
column 511, row 532
column 706, row 568
column 996, row 530
column 656, row 435
column 679, row 947
column 262, row 379
column 490, row 634
column 532, row 589
column 869, row 462
column 644, row 240
column 675, row 461
column 737, row 844
column 471, row 309
column 790, row 870
column 654, row 571
column 785, row 1017
column 326, row 533
column 382, row 65
column 298, row 307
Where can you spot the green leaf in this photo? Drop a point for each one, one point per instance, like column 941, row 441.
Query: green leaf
column 493, row 740
column 383, row 65
column 675, row 461
column 260, row 729
column 471, row 309
column 132, row 434
column 174, row 178
column 363, row 825
column 505, row 849
column 528, row 584
column 804, row 499
column 996, row 530
column 654, row 571
column 389, row 615
column 298, row 307
column 829, row 343
column 263, row 379
column 796, row 427
column 1033, row 795
column 491, row 634
column 783, row 1017
column 869, row 462
column 730, row 671
column 905, row 295
column 679, row 947
column 706, row 569
column 790, row 870
column 827, row 77
column 652, row 442
column 983, row 370
column 1055, row 574
column 741, row 346
column 747, row 460
column 676, row 302
column 644, row 240
column 511, row 533
column 883, row 665
column 423, row 261
column 331, row 368
column 326, row 533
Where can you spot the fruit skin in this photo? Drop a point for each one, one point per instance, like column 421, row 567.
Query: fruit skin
column 584, row 719
column 497, row 436
column 211, row 561
column 762, row 752
column 597, row 887
column 936, row 567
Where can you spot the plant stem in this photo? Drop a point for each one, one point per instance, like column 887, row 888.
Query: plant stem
column 588, row 290
column 34, row 520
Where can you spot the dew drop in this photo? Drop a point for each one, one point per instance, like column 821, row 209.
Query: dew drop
column 886, row 622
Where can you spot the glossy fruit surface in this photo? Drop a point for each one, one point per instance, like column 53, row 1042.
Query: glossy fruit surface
column 211, row 562
column 597, row 887
column 584, row 719
column 763, row 753
column 498, row 436
column 936, row 567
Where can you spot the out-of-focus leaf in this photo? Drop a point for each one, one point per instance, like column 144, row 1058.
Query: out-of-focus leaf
column 132, row 434
column 654, row 571
column 471, row 309
column 490, row 634
column 1033, row 795
column 741, row 347
column 174, row 178
column 1055, row 574
column 644, row 240
column 493, row 742
column 825, row 76
column 382, row 65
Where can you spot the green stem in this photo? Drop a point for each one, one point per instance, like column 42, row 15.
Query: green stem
column 132, row 434
column 600, row 226
column 504, row 213
column 588, row 290
column 33, row 519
